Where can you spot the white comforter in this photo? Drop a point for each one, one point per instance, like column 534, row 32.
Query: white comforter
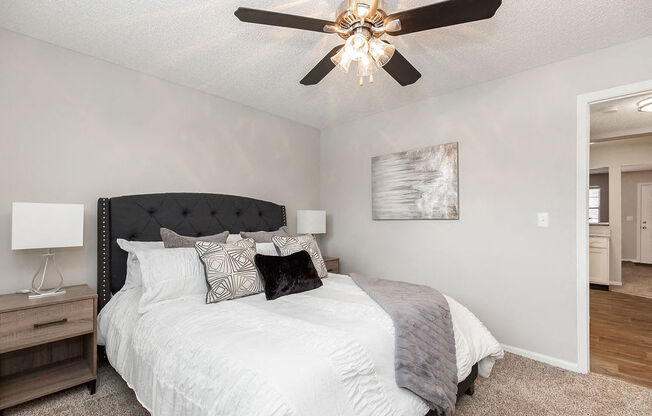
column 329, row 351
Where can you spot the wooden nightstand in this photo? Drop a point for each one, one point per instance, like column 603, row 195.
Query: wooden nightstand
column 332, row 264
column 47, row 344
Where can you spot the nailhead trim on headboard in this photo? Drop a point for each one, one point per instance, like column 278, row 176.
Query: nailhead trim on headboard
column 104, row 247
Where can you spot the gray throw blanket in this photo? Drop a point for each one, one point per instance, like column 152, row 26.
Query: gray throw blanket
column 424, row 356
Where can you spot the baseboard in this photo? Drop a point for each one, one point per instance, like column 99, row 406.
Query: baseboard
column 596, row 286
column 556, row 362
column 615, row 283
column 630, row 260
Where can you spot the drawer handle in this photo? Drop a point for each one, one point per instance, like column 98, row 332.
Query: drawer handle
column 60, row 321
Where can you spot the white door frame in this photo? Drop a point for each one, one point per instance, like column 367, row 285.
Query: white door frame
column 639, row 208
column 583, row 134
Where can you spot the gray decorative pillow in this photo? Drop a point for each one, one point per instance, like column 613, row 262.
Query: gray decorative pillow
column 265, row 236
column 174, row 240
column 293, row 244
column 230, row 269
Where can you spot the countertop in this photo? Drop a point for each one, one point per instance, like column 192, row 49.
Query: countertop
column 599, row 230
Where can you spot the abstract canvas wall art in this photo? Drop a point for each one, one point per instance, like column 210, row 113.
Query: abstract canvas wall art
column 419, row 184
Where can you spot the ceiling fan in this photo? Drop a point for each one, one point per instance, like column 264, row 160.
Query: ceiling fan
column 361, row 23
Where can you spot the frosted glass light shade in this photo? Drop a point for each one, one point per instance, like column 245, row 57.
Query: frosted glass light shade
column 342, row 59
column 46, row 225
column 381, row 51
column 356, row 46
column 311, row 222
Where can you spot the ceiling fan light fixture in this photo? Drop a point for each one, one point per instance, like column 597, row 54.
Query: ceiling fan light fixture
column 366, row 66
column 342, row 59
column 357, row 46
column 645, row 106
column 370, row 53
column 382, row 52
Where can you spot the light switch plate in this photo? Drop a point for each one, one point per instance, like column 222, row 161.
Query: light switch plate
column 542, row 220
column 629, row 218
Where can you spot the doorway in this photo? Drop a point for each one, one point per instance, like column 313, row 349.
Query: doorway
column 636, row 275
column 619, row 334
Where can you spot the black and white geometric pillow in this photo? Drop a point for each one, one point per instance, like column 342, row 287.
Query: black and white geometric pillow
column 293, row 244
column 230, row 269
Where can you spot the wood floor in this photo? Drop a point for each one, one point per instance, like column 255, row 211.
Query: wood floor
column 621, row 336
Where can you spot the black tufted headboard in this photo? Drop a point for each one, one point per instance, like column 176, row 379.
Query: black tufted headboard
column 139, row 217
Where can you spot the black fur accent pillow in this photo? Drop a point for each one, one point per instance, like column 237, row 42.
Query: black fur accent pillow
column 284, row 275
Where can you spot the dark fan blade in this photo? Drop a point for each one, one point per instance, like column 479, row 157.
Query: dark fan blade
column 280, row 19
column 321, row 69
column 401, row 70
column 445, row 13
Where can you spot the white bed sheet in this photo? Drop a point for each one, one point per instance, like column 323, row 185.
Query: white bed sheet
column 328, row 351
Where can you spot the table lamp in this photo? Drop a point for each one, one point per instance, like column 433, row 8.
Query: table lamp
column 46, row 226
column 311, row 221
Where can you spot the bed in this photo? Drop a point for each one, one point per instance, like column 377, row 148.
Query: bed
column 327, row 351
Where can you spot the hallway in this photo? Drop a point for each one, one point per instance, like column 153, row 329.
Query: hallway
column 637, row 280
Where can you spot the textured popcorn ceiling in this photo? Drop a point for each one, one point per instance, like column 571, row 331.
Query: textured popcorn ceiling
column 620, row 117
column 202, row 45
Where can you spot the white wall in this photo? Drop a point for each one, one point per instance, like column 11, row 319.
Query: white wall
column 517, row 152
column 619, row 153
column 74, row 128
column 614, row 155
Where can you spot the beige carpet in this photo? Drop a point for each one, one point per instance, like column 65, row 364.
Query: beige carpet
column 517, row 386
column 636, row 279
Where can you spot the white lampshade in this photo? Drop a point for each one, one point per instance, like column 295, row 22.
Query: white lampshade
column 46, row 225
column 311, row 221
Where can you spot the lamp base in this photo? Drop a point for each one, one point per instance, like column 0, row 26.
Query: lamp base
column 39, row 278
column 32, row 296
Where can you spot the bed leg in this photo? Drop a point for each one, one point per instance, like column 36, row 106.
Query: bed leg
column 471, row 389
column 91, row 386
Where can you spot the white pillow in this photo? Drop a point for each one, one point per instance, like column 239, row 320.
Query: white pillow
column 169, row 274
column 133, row 278
column 267, row 249
column 232, row 238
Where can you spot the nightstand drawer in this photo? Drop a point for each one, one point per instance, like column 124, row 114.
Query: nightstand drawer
column 38, row 325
